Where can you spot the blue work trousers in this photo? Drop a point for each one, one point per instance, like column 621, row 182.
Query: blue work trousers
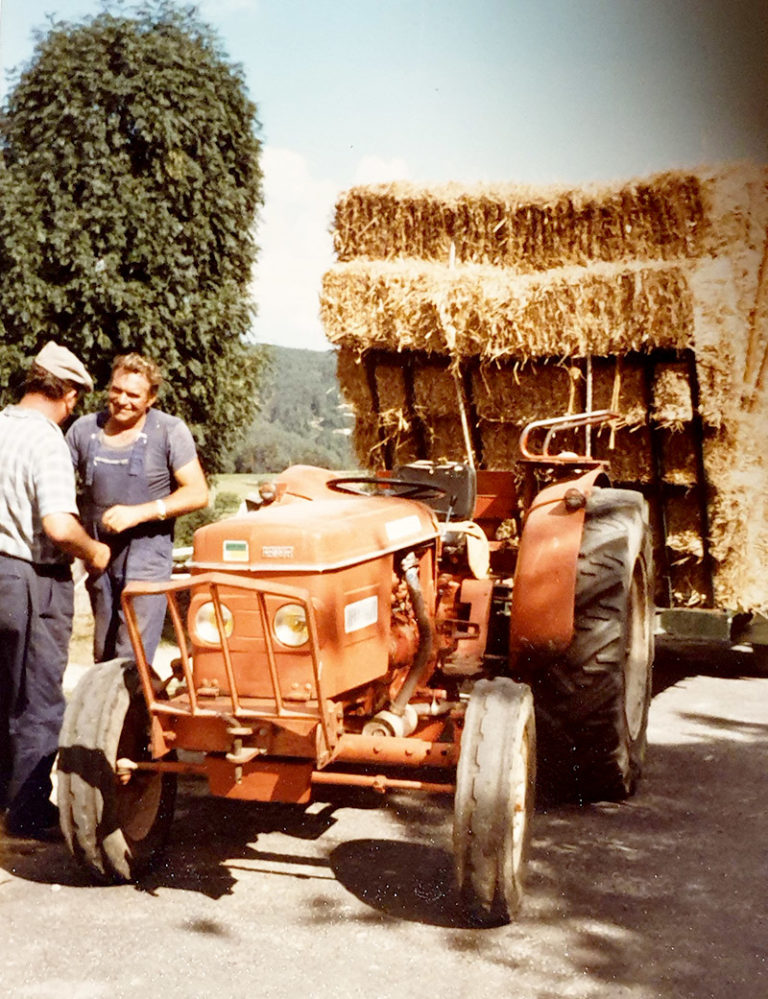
column 36, row 605
column 110, row 634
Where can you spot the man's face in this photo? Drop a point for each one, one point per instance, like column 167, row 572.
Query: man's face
column 129, row 398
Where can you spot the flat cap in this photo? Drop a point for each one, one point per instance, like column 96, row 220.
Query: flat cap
column 62, row 362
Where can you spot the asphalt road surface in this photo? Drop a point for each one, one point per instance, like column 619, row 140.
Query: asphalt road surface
column 662, row 897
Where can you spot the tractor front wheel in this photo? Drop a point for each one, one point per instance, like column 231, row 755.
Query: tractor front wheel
column 495, row 788
column 114, row 825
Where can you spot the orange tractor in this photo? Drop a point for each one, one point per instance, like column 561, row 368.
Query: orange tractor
column 411, row 630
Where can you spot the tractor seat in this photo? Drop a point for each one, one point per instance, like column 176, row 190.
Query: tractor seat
column 457, row 479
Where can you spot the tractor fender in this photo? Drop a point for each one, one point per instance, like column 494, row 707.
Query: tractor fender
column 544, row 591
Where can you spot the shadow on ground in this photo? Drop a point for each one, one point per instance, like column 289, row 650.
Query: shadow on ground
column 659, row 895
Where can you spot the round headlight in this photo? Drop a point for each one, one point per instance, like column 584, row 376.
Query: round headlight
column 290, row 625
column 206, row 628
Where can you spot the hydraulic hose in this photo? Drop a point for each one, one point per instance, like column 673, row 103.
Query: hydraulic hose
column 410, row 567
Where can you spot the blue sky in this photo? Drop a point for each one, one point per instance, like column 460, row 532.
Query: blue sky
column 539, row 91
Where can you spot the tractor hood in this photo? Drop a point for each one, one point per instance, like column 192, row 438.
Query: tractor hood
column 313, row 535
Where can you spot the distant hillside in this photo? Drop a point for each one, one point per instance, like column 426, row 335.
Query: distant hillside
column 302, row 418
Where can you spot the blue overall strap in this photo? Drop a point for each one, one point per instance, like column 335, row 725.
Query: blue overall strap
column 90, row 451
column 139, row 450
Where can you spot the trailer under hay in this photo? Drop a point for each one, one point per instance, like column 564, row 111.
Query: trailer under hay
column 515, row 304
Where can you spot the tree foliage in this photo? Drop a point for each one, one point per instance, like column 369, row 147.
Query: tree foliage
column 129, row 186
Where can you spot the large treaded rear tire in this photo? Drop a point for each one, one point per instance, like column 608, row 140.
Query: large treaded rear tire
column 113, row 829
column 495, row 789
column 592, row 705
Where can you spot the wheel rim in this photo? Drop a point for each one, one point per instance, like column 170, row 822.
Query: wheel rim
column 636, row 662
column 138, row 801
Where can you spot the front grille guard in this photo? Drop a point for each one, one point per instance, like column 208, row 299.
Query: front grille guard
column 239, row 713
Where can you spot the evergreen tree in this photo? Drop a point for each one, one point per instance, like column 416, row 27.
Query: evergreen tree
column 129, row 186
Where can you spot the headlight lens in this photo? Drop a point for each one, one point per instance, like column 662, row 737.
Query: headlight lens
column 206, row 628
column 290, row 625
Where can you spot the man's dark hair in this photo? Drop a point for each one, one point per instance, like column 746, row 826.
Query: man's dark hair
column 47, row 384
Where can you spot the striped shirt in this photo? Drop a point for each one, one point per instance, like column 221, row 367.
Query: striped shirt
column 36, row 479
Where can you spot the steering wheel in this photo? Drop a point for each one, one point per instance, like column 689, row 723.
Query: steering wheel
column 401, row 488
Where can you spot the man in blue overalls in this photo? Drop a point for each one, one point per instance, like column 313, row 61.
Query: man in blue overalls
column 138, row 470
column 39, row 534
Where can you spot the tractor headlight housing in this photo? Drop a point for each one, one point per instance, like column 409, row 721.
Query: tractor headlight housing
column 206, row 628
column 290, row 625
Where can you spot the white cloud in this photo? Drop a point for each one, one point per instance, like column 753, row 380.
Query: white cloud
column 296, row 244
column 296, row 249
column 375, row 170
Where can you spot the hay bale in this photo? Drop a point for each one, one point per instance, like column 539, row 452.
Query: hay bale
column 500, row 442
column 737, row 473
column 352, row 377
column 391, row 391
column 523, row 228
column 672, row 403
column 366, row 440
column 619, row 384
column 486, row 312
column 689, row 584
column 434, row 391
column 720, row 340
column 628, row 453
column 511, row 276
column 521, row 393
column 404, row 448
column 685, row 536
column 374, row 437
column 445, row 441
column 678, row 457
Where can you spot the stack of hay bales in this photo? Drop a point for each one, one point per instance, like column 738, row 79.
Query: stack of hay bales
column 513, row 287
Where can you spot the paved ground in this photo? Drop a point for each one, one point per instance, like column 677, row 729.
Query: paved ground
column 662, row 897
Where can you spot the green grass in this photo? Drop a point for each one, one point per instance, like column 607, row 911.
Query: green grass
column 239, row 484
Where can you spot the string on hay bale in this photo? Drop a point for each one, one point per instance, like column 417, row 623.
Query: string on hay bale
column 619, row 384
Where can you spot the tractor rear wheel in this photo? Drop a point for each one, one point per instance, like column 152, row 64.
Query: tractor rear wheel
column 114, row 828
column 592, row 705
column 495, row 789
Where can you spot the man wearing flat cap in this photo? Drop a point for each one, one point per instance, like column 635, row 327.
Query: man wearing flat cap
column 39, row 535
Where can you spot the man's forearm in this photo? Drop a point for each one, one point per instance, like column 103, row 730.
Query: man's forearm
column 184, row 499
column 67, row 533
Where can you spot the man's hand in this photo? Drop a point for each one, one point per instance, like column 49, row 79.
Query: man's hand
column 98, row 558
column 66, row 531
column 120, row 518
